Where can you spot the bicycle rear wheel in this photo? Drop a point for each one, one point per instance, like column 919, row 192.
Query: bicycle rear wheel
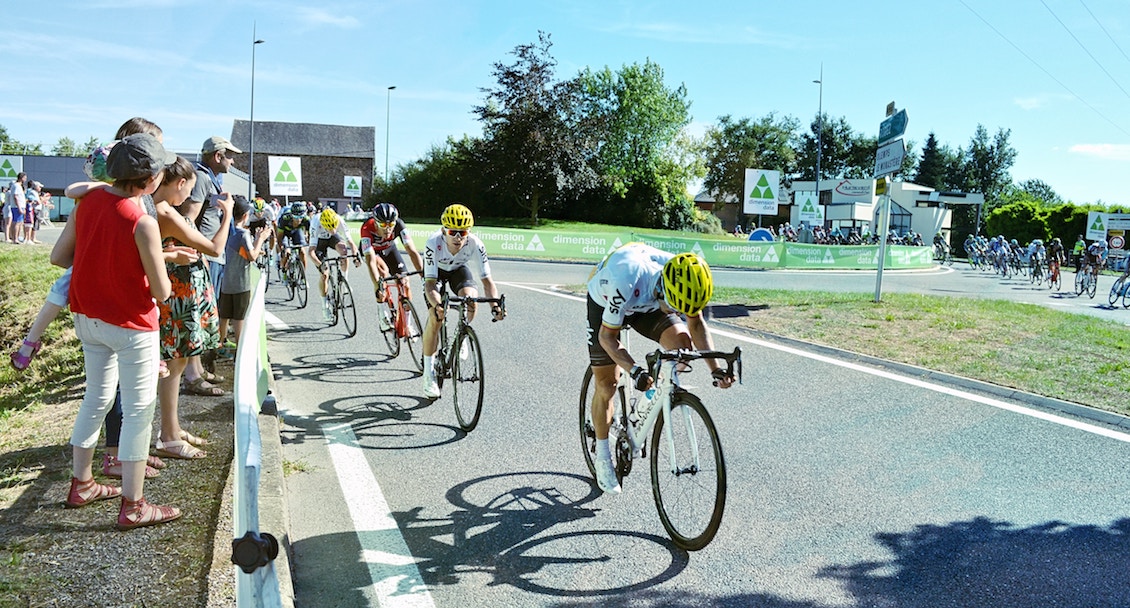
column 467, row 379
column 414, row 336
column 588, row 430
column 347, row 308
column 1092, row 286
column 688, row 474
column 388, row 311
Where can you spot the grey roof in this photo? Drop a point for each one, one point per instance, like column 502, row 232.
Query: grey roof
column 305, row 139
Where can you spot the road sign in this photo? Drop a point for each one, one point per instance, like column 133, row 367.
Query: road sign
column 888, row 158
column 892, row 127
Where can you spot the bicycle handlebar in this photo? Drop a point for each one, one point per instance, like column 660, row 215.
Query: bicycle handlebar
column 681, row 355
column 457, row 301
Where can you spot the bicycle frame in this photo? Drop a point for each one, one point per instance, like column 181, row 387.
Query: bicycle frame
column 393, row 281
column 444, row 345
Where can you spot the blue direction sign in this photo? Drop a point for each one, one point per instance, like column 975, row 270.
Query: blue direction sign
column 894, row 126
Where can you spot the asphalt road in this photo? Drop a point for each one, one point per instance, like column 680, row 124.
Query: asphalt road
column 848, row 486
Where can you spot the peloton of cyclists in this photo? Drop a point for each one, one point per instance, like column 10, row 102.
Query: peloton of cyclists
column 446, row 255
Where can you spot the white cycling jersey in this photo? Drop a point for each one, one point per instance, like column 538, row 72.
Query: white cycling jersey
column 437, row 256
column 320, row 232
column 627, row 281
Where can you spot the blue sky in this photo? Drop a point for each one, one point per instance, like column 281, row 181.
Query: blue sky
column 1054, row 72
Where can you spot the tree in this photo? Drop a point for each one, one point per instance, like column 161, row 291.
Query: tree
column 530, row 152
column 734, row 145
column 65, row 147
column 640, row 146
column 843, row 152
column 1023, row 221
column 931, row 170
column 988, row 163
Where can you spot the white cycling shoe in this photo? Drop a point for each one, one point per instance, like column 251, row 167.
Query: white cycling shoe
column 431, row 387
column 606, row 476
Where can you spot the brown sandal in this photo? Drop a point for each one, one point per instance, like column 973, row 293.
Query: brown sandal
column 197, row 387
column 85, row 492
column 139, row 513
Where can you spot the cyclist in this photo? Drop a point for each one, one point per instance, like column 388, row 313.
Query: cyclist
column 1036, row 254
column 293, row 227
column 1096, row 256
column 262, row 218
column 378, row 244
column 446, row 255
column 331, row 231
column 941, row 247
column 651, row 291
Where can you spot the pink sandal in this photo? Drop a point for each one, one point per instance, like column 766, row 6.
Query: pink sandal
column 85, row 492
column 112, row 467
column 21, row 362
column 139, row 513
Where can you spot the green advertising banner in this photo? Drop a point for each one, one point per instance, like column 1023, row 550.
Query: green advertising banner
column 725, row 251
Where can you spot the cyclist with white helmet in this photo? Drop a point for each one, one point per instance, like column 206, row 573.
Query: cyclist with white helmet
column 293, row 228
column 331, row 231
column 378, row 245
column 652, row 291
column 1096, row 256
column 446, row 255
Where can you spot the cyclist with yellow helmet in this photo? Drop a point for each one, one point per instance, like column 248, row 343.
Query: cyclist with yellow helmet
column 652, row 291
column 330, row 231
column 446, row 255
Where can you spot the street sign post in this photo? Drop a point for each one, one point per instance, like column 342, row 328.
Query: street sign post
column 893, row 126
column 888, row 158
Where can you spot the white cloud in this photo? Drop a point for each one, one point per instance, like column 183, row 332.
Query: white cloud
column 1103, row 151
column 315, row 16
column 1036, row 102
column 680, row 32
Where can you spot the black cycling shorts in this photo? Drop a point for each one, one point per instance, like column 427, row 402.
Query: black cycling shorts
column 297, row 238
column 455, row 280
column 325, row 245
column 392, row 259
column 650, row 325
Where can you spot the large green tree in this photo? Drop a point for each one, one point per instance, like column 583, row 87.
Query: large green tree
column 734, row 145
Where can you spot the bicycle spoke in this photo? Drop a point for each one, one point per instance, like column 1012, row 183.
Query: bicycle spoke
column 688, row 474
column 348, row 310
column 588, row 430
column 414, row 334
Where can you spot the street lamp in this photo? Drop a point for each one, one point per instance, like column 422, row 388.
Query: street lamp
column 819, row 129
column 251, row 147
column 388, row 99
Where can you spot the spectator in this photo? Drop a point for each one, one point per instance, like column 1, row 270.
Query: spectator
column 33, row 208
column 217, row 155
column 115, row 249
column 235, row 293
column 7, row 214
column 17, row 204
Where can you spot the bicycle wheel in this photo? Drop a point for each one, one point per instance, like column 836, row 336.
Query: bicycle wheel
column 386, row 310
column 345, row 305
column 467, row 379
column 289, row 283
column 300, row 284
column 588, row 430
column 1055, row 280
column 1079, row 283
column 1126, row 296
column 1115, row 291
column 1092, row 286
column 415, row 334
column 688, row 474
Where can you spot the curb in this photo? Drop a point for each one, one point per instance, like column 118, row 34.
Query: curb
column 1069, row 408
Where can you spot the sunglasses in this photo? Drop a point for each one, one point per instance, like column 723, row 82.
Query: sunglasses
column 386, row 224
column 453, row 232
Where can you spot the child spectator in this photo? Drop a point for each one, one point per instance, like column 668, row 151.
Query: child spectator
column 235, row 292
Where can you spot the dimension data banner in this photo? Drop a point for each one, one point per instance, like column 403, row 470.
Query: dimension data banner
column 587, row 246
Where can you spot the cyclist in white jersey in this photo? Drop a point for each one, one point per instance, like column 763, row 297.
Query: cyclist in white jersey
column 446, row 256
column 330, row 231
column 648, row 289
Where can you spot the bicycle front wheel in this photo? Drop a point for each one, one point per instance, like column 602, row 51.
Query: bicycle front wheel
column 467, row 379
column 414, row 336
column 387, row 310
column 1080, row 285
column 300, row 285
column 289, row 283
column 1092, row 286
column 347, row 308
column 688, row 473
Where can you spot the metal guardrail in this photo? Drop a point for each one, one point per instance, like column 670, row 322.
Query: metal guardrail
column 257, row 581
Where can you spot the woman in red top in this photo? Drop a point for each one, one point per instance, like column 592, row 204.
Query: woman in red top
column 118, row 270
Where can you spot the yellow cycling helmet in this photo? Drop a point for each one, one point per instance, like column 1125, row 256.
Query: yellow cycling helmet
column 330, row 220
column 457, row 217
column 687, row 283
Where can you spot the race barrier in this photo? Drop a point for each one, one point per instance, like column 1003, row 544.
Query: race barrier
column 724, row 251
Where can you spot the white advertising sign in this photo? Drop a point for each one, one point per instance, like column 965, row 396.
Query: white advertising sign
column 353, row 186
column 286, row 175
column 854, row 191
column 810, row 211
column 10, row 167
column 761, row 190
column 1096, row 225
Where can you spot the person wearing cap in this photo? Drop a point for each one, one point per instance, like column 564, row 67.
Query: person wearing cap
column 217, row 156
column 114, row 249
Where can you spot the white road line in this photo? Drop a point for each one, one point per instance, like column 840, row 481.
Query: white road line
column 1017, row 409
column 274, row 322
column 392, row 568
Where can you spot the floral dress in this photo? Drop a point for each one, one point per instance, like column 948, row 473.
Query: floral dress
column 189, row 321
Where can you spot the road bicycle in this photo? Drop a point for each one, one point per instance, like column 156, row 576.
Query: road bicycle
column 1055, row 278
column 263, row 262
column 688, row 471
column 943, row 256
column 339, row 293
column 294, row 275
column 1085, row 281
column 400, row 323
column 1036, row 272
column 460, row 357
column 1120, row 289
